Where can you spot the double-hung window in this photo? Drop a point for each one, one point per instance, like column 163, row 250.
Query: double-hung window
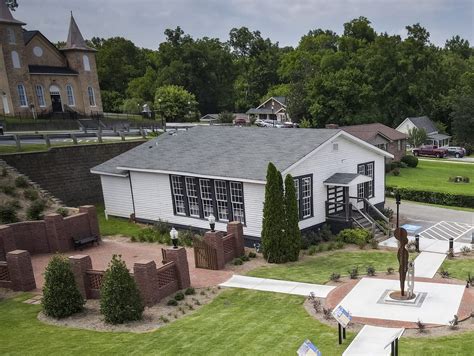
column 22, row 95
column 40, row 95
column 304, row 196
column 366, row 190
column 201, row 197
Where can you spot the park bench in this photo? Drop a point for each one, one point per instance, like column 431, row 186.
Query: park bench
column 79, row 242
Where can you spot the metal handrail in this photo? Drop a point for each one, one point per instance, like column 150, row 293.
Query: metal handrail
column 369, row 218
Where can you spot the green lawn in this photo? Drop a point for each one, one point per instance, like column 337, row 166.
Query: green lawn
column 239, row 322
column 433, row 176
column 116, row 226
column 318, row 269
column 459, row 268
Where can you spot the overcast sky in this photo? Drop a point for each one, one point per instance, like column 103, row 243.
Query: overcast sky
column 285, row 21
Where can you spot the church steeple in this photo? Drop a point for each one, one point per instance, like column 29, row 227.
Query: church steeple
column 6, row 15
column 74, row 37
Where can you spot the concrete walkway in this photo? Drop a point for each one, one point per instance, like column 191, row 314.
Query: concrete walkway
column 278, row 286
column 428, row 245
column 428, row 263
column 373, row 340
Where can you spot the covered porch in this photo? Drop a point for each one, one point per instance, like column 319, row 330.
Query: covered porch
column 440, row 140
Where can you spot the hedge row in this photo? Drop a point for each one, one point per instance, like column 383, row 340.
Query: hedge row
column 466, row 201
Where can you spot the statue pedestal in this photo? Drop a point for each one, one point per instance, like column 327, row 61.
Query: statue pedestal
column 394, row 297
column 397, row 295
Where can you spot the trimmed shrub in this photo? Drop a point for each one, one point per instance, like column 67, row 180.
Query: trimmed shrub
column 312, row 250
column 31, row 194
column 35, row 210
column 466, row 201
column 334, row 277
column 120, row 299
column 179, row 296
column 396, row 172
column 190, row 291
column 21, row 182
column 62, row 211
column 354, row 236
column 8, row 190
column 252, row 254
column 410, row 161
column 237, row 262
column 325, row 233
column 390, row 270
column 172, row 302
column 185, row 237
column 310, row 238
column 339, row 245
column 353, row 272
column 292, row 230
column 162, row 227
column 245, row 258
column 403, row 165
column 61, row 298
column 370, row 271
column 8, row 214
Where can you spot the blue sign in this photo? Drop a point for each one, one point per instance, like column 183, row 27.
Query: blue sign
column 307, row 348
column 342, row 316
column 411, row 228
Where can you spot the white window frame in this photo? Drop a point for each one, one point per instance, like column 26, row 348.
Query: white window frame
column 91, row 94
column 192, row 196
column 367, row 169
column 16, row 60
column 237, row 201
column 222, row 203
column 23, row 100
column 304, row 196
column 178, row 195
column 71, row 101
column 86, row 63
column 205, row 185
column 40, row 95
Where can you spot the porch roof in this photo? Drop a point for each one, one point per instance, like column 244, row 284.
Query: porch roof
column 346, row 179
column 438, row 136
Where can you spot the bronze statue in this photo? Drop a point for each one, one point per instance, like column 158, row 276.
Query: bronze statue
column 402, row 236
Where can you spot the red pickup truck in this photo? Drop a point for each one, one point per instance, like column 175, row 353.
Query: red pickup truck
column 429, row 150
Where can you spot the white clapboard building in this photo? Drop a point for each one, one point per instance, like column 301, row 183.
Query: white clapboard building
column 183, row 177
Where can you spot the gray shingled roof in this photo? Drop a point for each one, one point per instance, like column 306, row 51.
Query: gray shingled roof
column 232, row 152
column 424, row 122
column 281, row 99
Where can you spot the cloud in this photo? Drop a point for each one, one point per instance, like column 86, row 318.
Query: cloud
column 285, row 21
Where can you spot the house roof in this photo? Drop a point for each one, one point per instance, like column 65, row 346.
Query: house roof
column 424, row 122
column 369, row 132
column 34, row 69
column 438, row 136
column 223, row 151
column 28, row 35
column 209, row 117
column 346, row 179
column 6, row 15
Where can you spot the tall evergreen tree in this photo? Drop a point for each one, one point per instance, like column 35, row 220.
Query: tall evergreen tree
column 293, row 234
column 273, row 224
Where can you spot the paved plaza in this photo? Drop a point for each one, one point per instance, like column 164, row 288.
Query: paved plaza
column 441, row 301
column 373, row 340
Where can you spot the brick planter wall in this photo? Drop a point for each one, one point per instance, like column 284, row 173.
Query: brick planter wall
column 17, row 272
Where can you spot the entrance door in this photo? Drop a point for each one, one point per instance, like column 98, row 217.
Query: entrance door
column 56, row 103
column 6, row 108
column 336, row 194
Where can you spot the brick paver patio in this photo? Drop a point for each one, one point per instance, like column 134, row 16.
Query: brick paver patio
column 131, row 253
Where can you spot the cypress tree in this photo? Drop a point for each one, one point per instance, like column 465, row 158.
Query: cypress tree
column 273, row 217
column 293, row 234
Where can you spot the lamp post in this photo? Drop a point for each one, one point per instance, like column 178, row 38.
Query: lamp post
column 174, row 237
column 398, row 199
column 212, row 222
column 273, row 108
column 162, row 114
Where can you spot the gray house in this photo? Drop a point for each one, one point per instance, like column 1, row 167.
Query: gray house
column 424, row 122
column 184, row 177
column 274, row 108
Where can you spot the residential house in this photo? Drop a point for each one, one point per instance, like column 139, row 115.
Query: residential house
column 273, row 108
column 423, row 122
column 184, row 177
column 381, row 136
column 38, row 78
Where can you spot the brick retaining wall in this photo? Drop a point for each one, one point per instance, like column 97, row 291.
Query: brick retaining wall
column 65, row 171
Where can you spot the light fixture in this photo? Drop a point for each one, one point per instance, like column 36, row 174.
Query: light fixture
column 174, row 237
column 212, row 222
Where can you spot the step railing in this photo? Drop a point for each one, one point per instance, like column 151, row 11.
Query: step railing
column 374, row 223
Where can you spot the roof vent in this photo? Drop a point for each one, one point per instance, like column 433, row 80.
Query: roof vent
column 335, row 146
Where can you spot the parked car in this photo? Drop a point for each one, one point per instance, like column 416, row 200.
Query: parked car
column 289, row 125
column 272, row 123
column 429, row 150
column 259, row 122
column 240, row 121
column 458, row 152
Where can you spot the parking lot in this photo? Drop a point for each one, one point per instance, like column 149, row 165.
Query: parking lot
column 444, row 230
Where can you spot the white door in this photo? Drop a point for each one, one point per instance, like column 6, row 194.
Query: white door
column 6, row 108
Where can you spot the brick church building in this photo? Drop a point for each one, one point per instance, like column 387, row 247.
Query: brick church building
column 37, row 78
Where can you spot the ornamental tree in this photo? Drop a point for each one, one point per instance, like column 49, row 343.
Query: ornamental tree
column 293, row 234
column 61, row 298
column 120, row 299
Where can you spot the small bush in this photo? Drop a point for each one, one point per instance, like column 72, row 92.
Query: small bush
column 390, row 270
column 411, row 246
column 190, row 291
column 327, row 313
column 444, row 273
column 62, row 211
column 374, row 244
column 371, row 271
column 396, row 172
column 252, row 254
column 353, row 273
column 321, row 248
column 421, row 326
column 354, row 236
column 21, row 182
column 339, row 245
column 35, row 210
column 465, row 250
column 312, row 250
column 388, row 213
column 245, row 258
column 185, row 238
column 61, row 298
column 120, row 299
column 331, row 246
column 453, row 324
column 335, row 277
column 8, row 190
column 164, row 319
column 310, row 238
column 403, row 165
column 325, row 233
column 466, row 179
column 410, row 161
column 315, row 302
column 179, row 296
column 8, row 214
column 162, row 227
column 172, row 302
column 237, row 262
column 31, row 194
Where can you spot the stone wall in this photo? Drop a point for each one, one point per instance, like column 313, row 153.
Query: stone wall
column 17, row 272
column 53, row 234
column 65, row 171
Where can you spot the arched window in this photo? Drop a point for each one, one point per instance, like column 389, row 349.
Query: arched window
column 22, row 95
column 40, row 95
column 90, row 91
column 70, row 95
column 11, row 36
column 16, row 59
column 85, row 61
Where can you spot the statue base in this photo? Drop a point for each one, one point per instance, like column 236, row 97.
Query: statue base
column 397, row 295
